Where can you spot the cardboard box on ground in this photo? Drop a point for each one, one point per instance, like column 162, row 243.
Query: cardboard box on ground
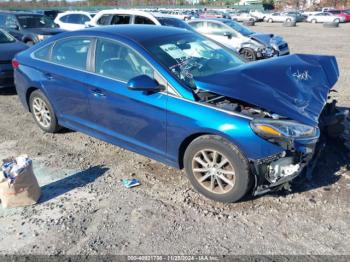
column 18, row 184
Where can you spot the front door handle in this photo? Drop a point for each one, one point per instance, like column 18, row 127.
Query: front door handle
column 97, row 93
column 48, row 76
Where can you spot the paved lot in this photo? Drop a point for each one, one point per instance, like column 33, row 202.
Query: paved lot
column 85, row 210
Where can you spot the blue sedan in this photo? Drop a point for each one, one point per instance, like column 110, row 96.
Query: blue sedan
column 177, row 97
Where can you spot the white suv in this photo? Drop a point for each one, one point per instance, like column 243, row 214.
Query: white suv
column 119, row 17
column 72, row 20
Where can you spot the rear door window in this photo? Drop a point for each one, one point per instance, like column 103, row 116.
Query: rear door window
column 43, row 53
column 78, row 19
column 197, row 25
column 104, row 20
column 143, row 20
column 71, row 52
column 120, row 20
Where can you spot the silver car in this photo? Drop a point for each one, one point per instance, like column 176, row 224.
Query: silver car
column 250, row 45
column 279, row 17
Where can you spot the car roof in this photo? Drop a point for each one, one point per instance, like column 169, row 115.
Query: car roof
column 138, row 33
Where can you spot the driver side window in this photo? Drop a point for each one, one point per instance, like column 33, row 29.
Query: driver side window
column 119, row 62
column 217, row 29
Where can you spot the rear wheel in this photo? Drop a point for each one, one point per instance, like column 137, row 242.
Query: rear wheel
column 248, row 54
column 288, row 20
column 314, row 21
column 269, row 20
column 42, row 112
column 217, row 169
column 337, row 20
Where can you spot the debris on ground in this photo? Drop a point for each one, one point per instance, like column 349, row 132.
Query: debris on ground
column 19, row 186
column 129, row 183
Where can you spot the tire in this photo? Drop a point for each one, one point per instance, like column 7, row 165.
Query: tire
column 314, row 21
column 249, row 23
column 248, row 54
column 288, row 20
column 43, row 112
column 331, row 25
column 270, row 20
column 290, row 24
column 237, row 177
column 336, row 20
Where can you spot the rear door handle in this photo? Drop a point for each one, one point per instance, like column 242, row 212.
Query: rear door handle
column 98, row 93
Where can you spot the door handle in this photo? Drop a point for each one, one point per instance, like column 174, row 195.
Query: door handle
column 48, row 76
column 97, row 93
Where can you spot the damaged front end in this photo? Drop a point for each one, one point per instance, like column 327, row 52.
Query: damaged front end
column 292, row 111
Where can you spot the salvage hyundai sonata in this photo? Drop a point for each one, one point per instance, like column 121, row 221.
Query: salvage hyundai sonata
column 177, row 97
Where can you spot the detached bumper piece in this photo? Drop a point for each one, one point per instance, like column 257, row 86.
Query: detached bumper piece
column 273, row 175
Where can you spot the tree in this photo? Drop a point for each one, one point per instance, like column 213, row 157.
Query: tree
column 268, row 4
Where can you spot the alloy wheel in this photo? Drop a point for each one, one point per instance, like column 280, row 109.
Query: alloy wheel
column 41, row 112
column 213, row 171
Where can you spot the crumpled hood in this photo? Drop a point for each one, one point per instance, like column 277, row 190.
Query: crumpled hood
column 294, row 86
column 267, row 39
column 9, row 50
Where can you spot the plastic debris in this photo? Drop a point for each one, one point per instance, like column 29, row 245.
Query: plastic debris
column 129, row 183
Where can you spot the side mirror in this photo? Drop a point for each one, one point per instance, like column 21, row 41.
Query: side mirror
column 228, row 34
column 144, row 83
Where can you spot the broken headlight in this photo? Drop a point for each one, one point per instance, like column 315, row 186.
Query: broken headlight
column 282, row 129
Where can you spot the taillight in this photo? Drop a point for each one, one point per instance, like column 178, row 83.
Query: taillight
column 15, row 64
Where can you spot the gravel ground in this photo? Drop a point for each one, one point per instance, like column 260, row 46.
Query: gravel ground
column 85, row 210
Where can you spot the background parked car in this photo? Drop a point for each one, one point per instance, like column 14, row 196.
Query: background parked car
column 29, row 28
column 241, row 17
column 72, row 20
column 278, row 17
column 118, row 17
column 9, row 47
column 299, row 17
column 325, row 17
column 250, row 45
column 343, row 13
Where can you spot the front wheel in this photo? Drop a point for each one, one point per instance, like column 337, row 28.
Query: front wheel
column 248, row 54
column 336, row 20
column 217, row 169
column 314, row 21
column 43, row 113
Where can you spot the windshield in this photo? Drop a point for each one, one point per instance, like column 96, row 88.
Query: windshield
column 189, row 55
column 166, row 21
column 6, row 38
column 35, row 21
column 239, row 28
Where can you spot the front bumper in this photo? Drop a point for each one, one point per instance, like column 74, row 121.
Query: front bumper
column 303, row 157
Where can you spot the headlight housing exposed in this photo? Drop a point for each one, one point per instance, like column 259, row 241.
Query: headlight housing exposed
column 283, row 129
column 42, row 37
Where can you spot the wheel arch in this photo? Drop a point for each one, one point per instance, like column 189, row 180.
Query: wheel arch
column 29, row 91
column 188, row 140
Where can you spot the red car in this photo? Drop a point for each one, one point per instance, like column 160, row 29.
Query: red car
column 343, row 13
